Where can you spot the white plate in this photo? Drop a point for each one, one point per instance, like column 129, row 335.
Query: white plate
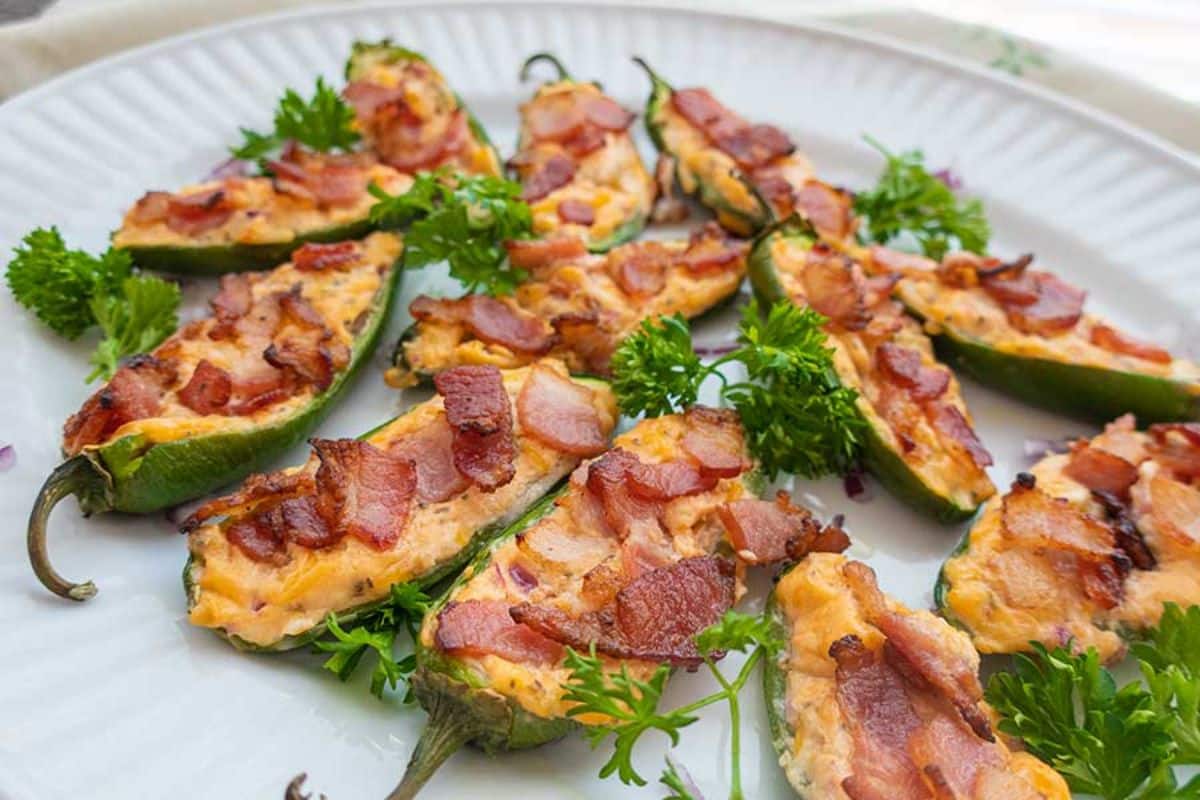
column 120, row 698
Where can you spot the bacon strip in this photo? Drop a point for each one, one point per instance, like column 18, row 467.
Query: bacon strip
column 830, row 210
column 316, row 257
column 561, row 413
column 480, row 413
column 364, row 492
column 765, row 532
column 950, row 422
column 484, row 627
column 208, row 390
column 711, row 250
column 714, row 440
column 430, row 448
column 1176, row 446
column 904, row 367
column 135, row 391
column 653, row 618
column 1036, row 302
column 749, row 145
column 641, row 269
column 232, row 301
column 1100, row 470
column 835, row 287
column 491, row 320
column 193, row 214
column 575, row 211
column 259, row 490
column 1115, row 341
column 550, row 174
column 534, row 254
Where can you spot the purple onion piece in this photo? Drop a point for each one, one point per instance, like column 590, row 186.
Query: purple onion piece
column 715, row 351
column 858, row 487
column 523, row 577
column 949, row 177
column 230, row 168
column 685, row 777
column 1036, row 449
column 8, row 457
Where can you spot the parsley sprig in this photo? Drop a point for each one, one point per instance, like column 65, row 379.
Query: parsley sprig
column 908, row 202
column 463, row 220
column 797, row 416
column 323, row 123
column 72, row 291
column 377, row 632
column 632, row 704
column 1116, row 743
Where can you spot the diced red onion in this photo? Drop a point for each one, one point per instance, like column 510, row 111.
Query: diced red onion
column 857, row 487
column 523, row 577
column 229, row 168
column 8, row 457
column 715, row 351
column 686, row 778
column 1036, row 449
column 949, row 177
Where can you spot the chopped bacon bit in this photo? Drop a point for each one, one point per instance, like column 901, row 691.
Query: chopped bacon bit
column 364, row 492
column 750, row 146
column 490, row 320
column 263, row 387
column 1125, row 532
column 654, row 618
column 904, row 366
column 830, row 210
column 698, row 107
column 575, row 211
column 257, row 490
column 587, row 141
column 208, row 390
column 669, row 207
column 835, row 287
column 533, row 254
column 314, row 256
column 607, row 114
column 561, row 413
column 300, row 521
column 258, row 539
column 430, row 448
column 410, row 144
column 667, row 481
column 640, row 269
column 624, row 510
column 1036, row 302
column 150, row 208
column 1100, row 470
column 710, row 250
column 1174, row 508
column 192, row 214
column 1114, row 341
column 553, row 173
column 477, row 628
column 552, row 546
column 953, row 760
column 714, row 440
column 480, row 413
column 135, row 391
column 554, row 117
column 1176, row 446
column 773, row 185
column 950, row 422
column 307, row 355
column 895, row 261
column 587, row 336
column 367, row 97
column 765, row 532
column 233, row 300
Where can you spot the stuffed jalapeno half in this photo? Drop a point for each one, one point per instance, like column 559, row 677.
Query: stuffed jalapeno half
column 747, row 174
column 1024, row 331
column 408, row 502
column 410, row 120
column 575, row 306
column 1086, row 547
column 637, row 555
column 224, row 394
column 872, row 700
column 919, row 439
column 579, row 168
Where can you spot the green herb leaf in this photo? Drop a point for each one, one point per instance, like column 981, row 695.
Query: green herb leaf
column 135, row 321
column 1169, row 657
column 679, row 786
column 323, row 123
column 908, row 201
column 463, row 220
column 740, row 632
column 656, row 370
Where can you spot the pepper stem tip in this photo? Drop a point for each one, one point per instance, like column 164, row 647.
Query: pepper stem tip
column 70, row 477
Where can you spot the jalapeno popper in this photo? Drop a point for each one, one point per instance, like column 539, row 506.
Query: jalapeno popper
column 633, row 557
column 747, row 174
column 578, row 166
column 873, row 701
column 1086, row 547
column 919, row 440
column 574, row 306
column 407, row 503
column 1024, row 331
column 223, row 394
column 410, row 120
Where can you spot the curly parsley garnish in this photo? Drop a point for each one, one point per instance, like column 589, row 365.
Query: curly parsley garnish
column 798, row 418
column 632, row 705
column 323, row 123
column 463, row 220
column 72, row 291
column 909, row 205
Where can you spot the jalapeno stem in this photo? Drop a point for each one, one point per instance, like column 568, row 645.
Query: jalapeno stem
column 448, row 729
column 70, row 477
column 549, row 58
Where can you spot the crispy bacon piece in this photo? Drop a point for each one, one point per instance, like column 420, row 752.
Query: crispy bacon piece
column 1173, row 507
column 315, row 257
column 310, row 355
column 410, row 144
column 765, row 532
column 749, row 145
column 367, row 97
column 950, row 422
column 1125, row 531
column 264, row 385
column 1176, row 446
column 714, row 440
column 653, row 618
column 362, row 491
column 667, row 481
column 828, row 209
column 1036, row 302
column 491, row 320
column 561, row 413
column 534, row 254
column 552, row 173
column 953, row 762
column 150, row 208
column 299, row 521
column 135, row 391
column 208, row 390
column 192, row 214
column 775, row 187
column 324, row 180
column 641, row 269
column 710, row 250
column 430, row 448
column 588, row 336
column 480, row 414
column 554, row 117
column 477, row 628
column 1100, row 470
column 577, row 212
column 258, row 539
column 919, row 643
column 233, row 300
column 624, row 510
column 259, row 490
column 698, row 107
column 903, row 366
column 835, row 287
column 895, row 261
column 1114, row 341
column 607, row 114
column 1084, row 545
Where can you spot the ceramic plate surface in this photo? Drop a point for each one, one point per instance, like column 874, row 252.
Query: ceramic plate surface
column 121, row 698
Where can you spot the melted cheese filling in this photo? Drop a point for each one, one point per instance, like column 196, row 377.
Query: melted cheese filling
column 262, row 603
column 340, row 295
column 820, row 608
column 971, row 313
column 957, row 479
column 691, row 523
column 578, row 287
column 1008, row 596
